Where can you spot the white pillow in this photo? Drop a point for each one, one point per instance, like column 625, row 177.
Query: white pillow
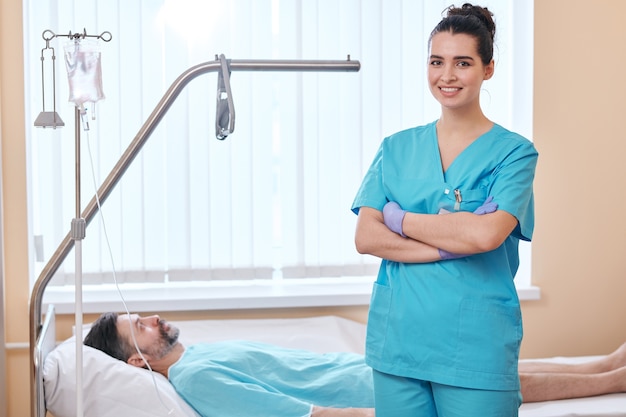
column 111, row 388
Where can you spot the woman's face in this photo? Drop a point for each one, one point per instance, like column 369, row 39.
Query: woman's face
column 455, row 70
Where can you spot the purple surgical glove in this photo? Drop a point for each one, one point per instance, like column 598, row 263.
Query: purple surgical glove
column 487, row 207
column 445, row 255
column 393, row 216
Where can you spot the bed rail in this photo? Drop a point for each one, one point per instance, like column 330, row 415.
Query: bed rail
column 133, row 150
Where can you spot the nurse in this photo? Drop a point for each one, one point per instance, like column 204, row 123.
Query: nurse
column 445, row 205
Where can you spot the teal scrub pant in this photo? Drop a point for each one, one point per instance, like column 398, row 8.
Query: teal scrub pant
column 399, row 396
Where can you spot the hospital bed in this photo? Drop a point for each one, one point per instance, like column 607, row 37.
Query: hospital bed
column 113, row 388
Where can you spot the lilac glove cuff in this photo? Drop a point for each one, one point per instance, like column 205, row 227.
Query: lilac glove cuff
column 487, row 207
column 393, row 215
column 445, row 255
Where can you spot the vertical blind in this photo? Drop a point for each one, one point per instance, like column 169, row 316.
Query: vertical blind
column 272, row 200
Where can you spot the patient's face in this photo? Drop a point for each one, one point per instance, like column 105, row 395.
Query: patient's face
column 155, row 337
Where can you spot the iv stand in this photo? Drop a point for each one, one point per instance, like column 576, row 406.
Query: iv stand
column 79, row 225
column 78, row 234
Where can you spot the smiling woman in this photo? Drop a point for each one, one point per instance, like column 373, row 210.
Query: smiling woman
column 271, row 203
column 445, row 205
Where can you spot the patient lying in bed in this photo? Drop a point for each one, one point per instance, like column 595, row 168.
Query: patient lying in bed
column 244, row 378
column 240, row 378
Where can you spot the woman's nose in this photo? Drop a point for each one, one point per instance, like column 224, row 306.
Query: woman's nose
column 448, row 74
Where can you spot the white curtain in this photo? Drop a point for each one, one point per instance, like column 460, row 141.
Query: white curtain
column 273, row 199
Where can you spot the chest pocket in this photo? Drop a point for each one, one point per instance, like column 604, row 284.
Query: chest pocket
column 429, row 196
column 462, row 199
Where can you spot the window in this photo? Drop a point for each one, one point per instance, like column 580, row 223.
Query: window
column 271, row 202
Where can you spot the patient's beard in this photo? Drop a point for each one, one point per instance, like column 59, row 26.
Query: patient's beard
column 167, row 341
column 171, row 334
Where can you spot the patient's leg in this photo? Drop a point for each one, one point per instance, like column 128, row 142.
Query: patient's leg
column 537, row 386
column 614, row 360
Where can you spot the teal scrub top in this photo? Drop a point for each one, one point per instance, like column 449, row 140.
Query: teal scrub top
column 241, row 378
column 455, row 322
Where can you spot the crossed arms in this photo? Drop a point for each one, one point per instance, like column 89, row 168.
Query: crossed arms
column 461, row 233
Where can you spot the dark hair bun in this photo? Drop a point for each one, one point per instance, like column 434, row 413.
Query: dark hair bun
column 482, row 13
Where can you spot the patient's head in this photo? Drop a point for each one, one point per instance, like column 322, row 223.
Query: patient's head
column 113, row 334
column 104, row 336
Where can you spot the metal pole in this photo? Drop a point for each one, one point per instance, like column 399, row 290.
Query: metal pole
column 78, row 235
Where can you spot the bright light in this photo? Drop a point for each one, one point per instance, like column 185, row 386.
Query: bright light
column 192, row 19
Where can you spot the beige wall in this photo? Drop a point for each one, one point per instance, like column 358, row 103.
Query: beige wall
column 14, row 205
column 580, row 241
column 578, row 253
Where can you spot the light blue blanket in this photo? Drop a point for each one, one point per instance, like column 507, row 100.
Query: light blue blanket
column 250, row 379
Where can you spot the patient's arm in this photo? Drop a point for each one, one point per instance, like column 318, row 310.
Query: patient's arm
column 341, row 412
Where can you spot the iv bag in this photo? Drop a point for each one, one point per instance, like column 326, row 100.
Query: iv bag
column 84, row 72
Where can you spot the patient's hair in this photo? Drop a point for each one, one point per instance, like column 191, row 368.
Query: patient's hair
column 103, row 336
column 471, row 20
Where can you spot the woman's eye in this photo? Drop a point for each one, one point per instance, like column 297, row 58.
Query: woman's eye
column 463, row 64
column 435, row 63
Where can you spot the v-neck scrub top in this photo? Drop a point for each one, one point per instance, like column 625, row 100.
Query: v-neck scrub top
column 455, row 322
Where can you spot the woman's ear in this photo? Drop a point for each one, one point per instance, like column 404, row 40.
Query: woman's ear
column 136, row 360
column 489, row 70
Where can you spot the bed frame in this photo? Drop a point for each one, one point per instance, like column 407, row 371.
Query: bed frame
column 225, row 108
column 46, row 342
